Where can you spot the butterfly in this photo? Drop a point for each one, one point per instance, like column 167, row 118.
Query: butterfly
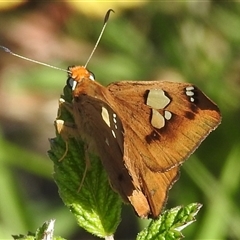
column 142, row 131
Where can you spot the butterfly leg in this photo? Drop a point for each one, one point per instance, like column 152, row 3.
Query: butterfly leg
column 66, row 130
column 87, row 167
column 66, row 105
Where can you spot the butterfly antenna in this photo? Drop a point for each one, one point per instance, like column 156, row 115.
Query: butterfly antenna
column 31, row 60
column 100, row 36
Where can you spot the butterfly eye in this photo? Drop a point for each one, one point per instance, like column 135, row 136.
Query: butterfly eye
column 92, row 76
column 70, row 82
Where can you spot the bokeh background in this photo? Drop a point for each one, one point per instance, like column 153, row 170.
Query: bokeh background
column 192, row 41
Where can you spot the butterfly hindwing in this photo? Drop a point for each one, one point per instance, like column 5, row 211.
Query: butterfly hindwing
column 104, row 133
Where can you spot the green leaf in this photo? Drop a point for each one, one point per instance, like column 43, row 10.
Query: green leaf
column 170, row 223
column 96, row 206
column 29, row 236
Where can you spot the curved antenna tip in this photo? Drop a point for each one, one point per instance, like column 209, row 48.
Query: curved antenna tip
column 107, row 15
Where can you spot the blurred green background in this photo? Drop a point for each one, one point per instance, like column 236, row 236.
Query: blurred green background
column 192, row 41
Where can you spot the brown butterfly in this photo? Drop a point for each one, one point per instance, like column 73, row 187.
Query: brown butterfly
column 142, row 132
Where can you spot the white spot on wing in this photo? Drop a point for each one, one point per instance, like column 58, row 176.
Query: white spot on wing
column 157, row 99
column 189, row 93
column 189, row 88
column 105, row 116
column 113, row 133
column 167, row 115
column 157, row 120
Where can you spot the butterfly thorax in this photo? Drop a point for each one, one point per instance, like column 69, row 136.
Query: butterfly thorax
column 83, row 82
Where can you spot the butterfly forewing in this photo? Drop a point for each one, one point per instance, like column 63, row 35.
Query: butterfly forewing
column 187, row 120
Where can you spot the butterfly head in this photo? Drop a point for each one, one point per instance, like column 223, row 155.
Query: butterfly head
column 76, row 74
